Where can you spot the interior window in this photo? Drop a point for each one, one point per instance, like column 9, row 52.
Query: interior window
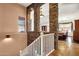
column 21, row 24
column 31, row 20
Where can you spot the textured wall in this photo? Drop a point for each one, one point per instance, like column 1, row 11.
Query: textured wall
column 53, row 19
column 32, row 35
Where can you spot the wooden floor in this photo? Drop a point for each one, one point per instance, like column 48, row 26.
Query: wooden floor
column 66, row 48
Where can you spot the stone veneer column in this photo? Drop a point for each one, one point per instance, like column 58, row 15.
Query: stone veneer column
column 53, row 19
column 32, row 35
column 36, row 17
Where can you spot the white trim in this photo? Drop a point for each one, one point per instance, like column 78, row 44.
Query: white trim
column 41, row 43
column 48, row 34
column 50, row 52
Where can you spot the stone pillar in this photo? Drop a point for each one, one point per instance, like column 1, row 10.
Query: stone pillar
column 53, row 21
column 36, row 17
column 32, row 35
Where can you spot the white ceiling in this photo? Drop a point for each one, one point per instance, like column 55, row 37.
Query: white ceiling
column 68, row 8
column 25, row 4
column 68, row 12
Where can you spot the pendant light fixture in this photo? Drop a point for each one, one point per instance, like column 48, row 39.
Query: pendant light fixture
column 41, row 13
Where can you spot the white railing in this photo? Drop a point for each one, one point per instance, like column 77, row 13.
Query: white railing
column 42, row 46
column 48, row 44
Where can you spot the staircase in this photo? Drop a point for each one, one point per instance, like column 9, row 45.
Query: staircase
column 42, row 46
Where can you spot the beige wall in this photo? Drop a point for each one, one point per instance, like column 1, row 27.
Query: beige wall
column 8, row 25
column 9, row 15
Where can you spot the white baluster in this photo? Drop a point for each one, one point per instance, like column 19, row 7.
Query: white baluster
column 41, row 43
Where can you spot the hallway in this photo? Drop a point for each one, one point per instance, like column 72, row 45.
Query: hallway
column 66, row 48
